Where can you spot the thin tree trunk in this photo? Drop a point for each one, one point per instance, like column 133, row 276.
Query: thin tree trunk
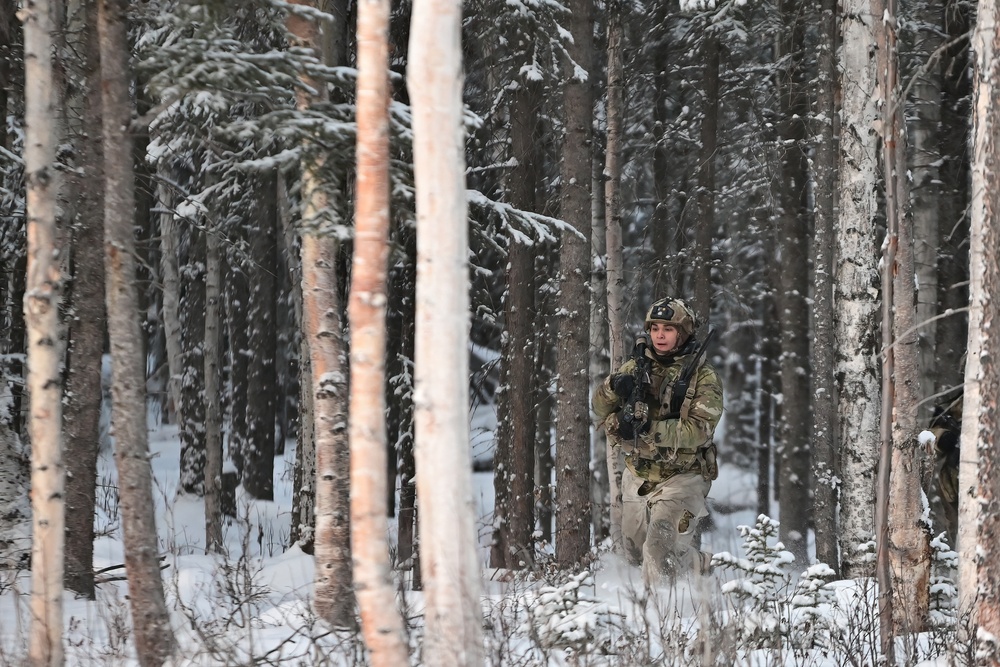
column 41, row 315
column 302, row 531
column 448, row 559
column 953, row 239
column 154, row 639
column 192, row 320
column 82, row 412
column 824, row 426
column 981, row 418
column 979, row 580
column 856, row 272
column 572, row 540
column 258, row 477
column 324, row 332
column 515, row 520
column 925, row 193
column 614, row 462
column 169, row 242
column 701, row 250
column 908, row 541
column 793, row 285
column 213, row 412
column 381, row 620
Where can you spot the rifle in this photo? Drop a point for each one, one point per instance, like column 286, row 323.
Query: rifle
column 684, row 379
column 636, row 410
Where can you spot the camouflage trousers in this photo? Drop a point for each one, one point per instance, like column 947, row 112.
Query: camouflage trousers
column 658, row 523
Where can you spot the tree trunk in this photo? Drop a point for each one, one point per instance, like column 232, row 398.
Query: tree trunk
column 793, row 286
column 41, row 315
column 192, row 320
column 908, row 541
column 262, row 403
column 448, row 559
column 979, row 580
column 213, row 412
column 572, row 540
column 824, row 425
column 856, row 276
column 324, row 333
column 981, row 419
column 514, row 516
column 381, row 620
column 701, row 250
column 82, row 411
column 237, row 296
column 169, row 253
column 925, row 191
column 154, row 639
column 302, row 530
column 614, row 463
column 953, row 238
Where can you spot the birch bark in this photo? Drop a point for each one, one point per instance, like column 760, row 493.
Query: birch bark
column 855, row 293
column 448, row 559
column 381, row 620
column 42, row 298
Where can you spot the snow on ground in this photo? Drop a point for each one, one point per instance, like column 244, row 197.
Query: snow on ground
column 256, row 602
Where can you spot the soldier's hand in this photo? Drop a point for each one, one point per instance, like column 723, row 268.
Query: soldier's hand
column 628, row 430
column 622, row 384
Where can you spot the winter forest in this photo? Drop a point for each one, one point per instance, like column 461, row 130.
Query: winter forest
column 371, row 252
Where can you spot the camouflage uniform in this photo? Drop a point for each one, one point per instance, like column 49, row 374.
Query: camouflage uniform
column 669, row 469
column 947, row 428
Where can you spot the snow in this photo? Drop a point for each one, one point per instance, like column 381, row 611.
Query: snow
column 253, row 604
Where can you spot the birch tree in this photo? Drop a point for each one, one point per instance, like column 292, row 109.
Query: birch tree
column 41, row 314
column 979, row 490
column 323, row 330
column 154, row 638
column 855, row 295
column 381, row 620
column 613, row 244
column 448, row 560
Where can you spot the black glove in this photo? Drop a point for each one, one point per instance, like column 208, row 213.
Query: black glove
column 622, row 384
column 947, row 441
column 627, row 430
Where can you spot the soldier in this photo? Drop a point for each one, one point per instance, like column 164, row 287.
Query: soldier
column 665, row 431
column 946, row 427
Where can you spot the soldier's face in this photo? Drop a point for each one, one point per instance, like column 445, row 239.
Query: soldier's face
column 664, row 337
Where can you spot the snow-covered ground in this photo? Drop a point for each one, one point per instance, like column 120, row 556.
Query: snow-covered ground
column 253, row 606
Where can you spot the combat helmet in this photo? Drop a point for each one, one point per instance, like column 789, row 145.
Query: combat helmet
column 673, row 312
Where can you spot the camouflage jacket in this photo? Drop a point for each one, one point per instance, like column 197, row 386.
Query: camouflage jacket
column 671, row 445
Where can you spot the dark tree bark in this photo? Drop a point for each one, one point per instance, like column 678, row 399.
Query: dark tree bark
column 572, row 541
column 701, row 248
column 824, row 456
column 953, row 237
column 515, row 451
column 192, row 317
column 793, row 282
column 258, row 477
column 82, row 410
column 403, row 281
column 237, row 288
